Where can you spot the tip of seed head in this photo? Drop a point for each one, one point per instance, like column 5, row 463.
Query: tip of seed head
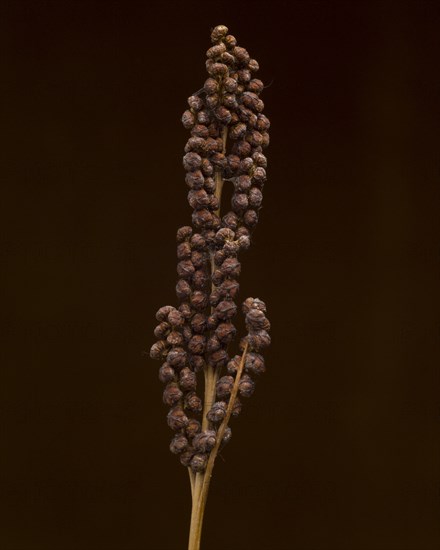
column 219, row 32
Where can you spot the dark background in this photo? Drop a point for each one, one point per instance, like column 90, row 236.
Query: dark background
column 339, row 448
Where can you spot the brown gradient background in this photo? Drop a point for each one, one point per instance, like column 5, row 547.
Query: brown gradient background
column 338, row 449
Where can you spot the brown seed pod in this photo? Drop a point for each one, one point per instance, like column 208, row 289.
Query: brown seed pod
column 186, row 456
column 202, row 218
column 214, row 298
column 198, row 259
column 230, row 41
column 224, row 234
column 159, row 350
column 193, row 428
column 241, row 148
column 195, row 180
column 188, row 120
column 187, row 379
column 198, row 462
column 175, row 338
column 259, row 340
column 196, row 144
column 225, row 332
column 230, row 85
column 208, row 235
column 197, row 242
column 176, row 418
column 178, row 444
column 197, row 362
column 183, row 289
column 253, row 303
column 241, row 54
column 212, row 322
column 254, row 364
column 195, row 102
column 172, row 394
column 162, row 313
column 223, row 114
column 237, row 131
column 198, row 323
column 219, row 257
column 233, row 364
column 225, row 310
column 255, row 198
column 213, row 344
column 254, row 138
column 227, row 58
column 200, row 131
column 237, row 407
column 210, row 184
column 199, row 279
column 217, row 69
column 205, row 441
column 167, row 373
column 246, row 386
column 244, row 76
column 229, row 289
column 197, row 344
column 219, row 32
column 230, row 220
column 224, row 387
column 230, row 102
column 233, row 163
column 216, row 51
column 239, row 202
column 255, row 86
column 256, row 320
column 192, row 161
column 263, row 123
column 177, row 357
column 231, row 267
column 186, row 312
column 162, row 330
column 243, row 184
column 184, row 251
column 219, row 358
column 175, row 318
column 217, row 412
column 250, row 100
column 231, row 248
column 211, row 86
column 214, row 205
column 260, row 160
column 207, row 168
column 250, row 218
column 192, row 402
column 253, row 65
column 217, row 277
column 204, row 117
column 227, row 435
column 244, row 241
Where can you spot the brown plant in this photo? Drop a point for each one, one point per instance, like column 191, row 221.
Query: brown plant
column 228, row 135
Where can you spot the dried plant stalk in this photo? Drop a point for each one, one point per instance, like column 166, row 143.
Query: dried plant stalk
column 228, row 135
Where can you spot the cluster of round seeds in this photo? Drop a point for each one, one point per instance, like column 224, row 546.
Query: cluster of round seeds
column 228, row 134
column 256, row 340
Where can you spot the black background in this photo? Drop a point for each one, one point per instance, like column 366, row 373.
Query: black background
column 338, row 449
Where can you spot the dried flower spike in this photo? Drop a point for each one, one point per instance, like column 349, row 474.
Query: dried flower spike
column 228, row 133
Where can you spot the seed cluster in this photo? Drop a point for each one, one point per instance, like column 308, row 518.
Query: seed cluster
column 228, row 135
